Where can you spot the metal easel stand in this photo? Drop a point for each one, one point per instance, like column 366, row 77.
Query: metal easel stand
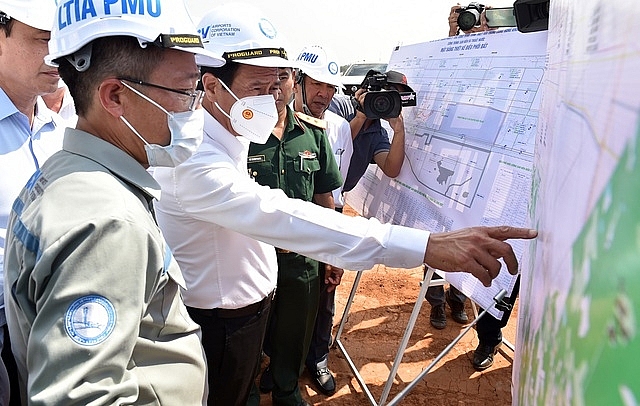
column 426, row 283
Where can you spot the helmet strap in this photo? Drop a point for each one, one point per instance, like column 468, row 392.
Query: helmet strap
column 303, row 89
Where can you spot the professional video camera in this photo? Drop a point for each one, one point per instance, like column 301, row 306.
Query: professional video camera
column 380, row 102
column 470, row 16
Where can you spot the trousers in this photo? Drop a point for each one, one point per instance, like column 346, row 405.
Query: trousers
column 489, row 328
column 291, row 325
column 232, row 342
column 318, row 356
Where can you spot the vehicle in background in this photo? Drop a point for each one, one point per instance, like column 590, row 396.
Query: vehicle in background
column 355, row 73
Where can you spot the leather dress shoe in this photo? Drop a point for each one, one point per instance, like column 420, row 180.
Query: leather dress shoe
column 266, row 381
column 457, row 310
column 324, row 381
column 483, row 356
column 437, row 318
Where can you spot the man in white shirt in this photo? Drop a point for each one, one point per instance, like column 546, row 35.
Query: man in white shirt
column 222, row 225
column 30, row 131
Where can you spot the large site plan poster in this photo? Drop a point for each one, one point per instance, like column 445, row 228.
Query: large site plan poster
column 469, row 141
column 578, row 341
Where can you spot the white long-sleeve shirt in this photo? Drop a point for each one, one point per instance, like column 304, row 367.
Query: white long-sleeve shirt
column 339, row 135
column 214, row 217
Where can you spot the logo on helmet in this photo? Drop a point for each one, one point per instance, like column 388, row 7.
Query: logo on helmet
column 308, row 57
column 267, row 28
column 333, row 68
column 72, row 11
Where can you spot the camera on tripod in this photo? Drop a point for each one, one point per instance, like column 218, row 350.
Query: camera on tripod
column 470, row 16
column 380, row 102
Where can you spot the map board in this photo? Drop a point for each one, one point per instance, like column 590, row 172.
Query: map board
column 487, row 144
column 469, row 141
column 578, row 340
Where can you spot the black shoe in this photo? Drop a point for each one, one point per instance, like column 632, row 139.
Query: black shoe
column 266, row 381
column 437, row 318
column 483, row 356
column 324, row 381
column 457, row 310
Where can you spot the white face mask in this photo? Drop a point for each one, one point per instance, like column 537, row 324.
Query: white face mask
column 253, row 117
column 186, row 130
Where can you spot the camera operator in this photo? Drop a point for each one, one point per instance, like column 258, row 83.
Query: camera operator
column 370, row 140
column 454, row 29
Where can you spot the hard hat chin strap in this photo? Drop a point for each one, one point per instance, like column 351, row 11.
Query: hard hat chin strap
column 81, row 59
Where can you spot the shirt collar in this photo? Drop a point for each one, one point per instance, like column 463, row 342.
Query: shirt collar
column 118, row 162
column 213, row 130
column 7, row 108
column 43, row 115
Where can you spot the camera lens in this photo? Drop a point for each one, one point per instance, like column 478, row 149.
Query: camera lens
column 468, row 19
column 382, row 104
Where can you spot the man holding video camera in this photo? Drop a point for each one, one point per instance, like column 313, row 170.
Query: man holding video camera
column 370, row 140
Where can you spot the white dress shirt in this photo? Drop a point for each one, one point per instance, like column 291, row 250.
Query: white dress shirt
column 211, row 213
column 339, row 135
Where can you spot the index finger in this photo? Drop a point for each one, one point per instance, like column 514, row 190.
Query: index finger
column 505, row 233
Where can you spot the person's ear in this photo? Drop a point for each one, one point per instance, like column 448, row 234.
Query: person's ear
column 111, row 96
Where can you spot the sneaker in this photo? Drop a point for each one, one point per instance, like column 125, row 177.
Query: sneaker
column 266, row 381
column 437, row 318
column 483, row 356
column 324, row 381
column 457, row 310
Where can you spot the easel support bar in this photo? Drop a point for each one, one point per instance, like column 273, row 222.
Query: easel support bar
column 444, row 352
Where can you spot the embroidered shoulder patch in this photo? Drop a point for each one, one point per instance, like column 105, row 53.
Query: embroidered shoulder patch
column 90, row 320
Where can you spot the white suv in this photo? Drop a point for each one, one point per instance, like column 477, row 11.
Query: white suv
column 355, row 73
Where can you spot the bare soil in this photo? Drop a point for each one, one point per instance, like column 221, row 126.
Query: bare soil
column 374, row 329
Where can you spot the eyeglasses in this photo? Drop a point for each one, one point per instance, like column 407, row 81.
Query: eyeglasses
column 196, row 97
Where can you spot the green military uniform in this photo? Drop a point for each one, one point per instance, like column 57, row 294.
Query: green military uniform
column 301, row 164
column 93, row 292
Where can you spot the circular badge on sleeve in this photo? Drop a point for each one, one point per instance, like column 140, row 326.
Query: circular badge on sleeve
column 89, row 320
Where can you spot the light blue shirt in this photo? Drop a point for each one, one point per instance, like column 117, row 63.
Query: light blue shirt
column 22, row 150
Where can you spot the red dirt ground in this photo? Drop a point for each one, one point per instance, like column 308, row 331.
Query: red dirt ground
column 373, row 332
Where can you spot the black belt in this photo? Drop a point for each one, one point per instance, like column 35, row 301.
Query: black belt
column 252, row 309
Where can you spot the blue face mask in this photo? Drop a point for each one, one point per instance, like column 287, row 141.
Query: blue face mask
column 186, row 130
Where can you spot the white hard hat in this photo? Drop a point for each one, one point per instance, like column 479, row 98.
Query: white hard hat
column 34, row 13
column 165, row 23
column 241, row 33
column 315, row 62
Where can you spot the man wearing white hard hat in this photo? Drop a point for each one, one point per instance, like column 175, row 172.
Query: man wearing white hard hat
column 298, row 159
column 222, row 226
column 318, row 78
column 93, row 292
column 30, row 131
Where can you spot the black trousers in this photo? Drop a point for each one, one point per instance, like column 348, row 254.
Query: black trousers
column 232, row 346
column 489, row 328
column 12, row 369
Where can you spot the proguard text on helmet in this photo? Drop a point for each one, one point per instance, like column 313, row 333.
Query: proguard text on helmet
column 73, row 11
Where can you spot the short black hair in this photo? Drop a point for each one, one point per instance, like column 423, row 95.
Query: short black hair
column 6, row 23
column 115, row 56
column 226, row 73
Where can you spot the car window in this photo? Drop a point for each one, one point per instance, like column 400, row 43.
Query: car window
column 361, row 69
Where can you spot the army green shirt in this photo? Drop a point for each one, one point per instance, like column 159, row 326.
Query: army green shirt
column 301, row 163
